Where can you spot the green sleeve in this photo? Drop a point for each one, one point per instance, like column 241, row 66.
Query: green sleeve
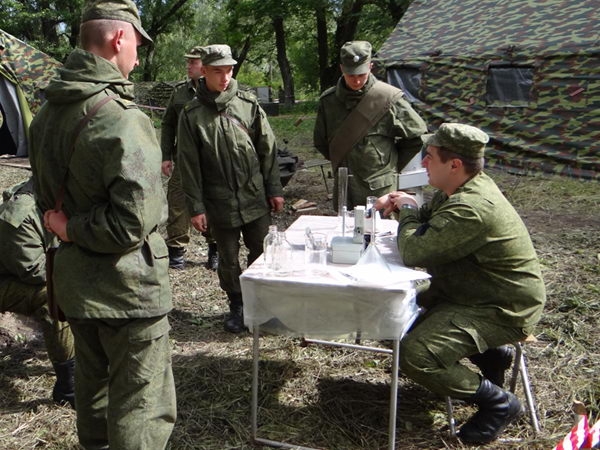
column 266, row 147
column 188, row 158
column 168, row 130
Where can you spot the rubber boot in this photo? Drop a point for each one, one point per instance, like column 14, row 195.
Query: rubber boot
column 235, row 322
column 497, row 408
column 63, row 392
column 176, row 258
column 494, row 362
column 213, row 257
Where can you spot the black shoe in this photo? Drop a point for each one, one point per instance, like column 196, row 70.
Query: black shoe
column 213, row 257
column 497, row 409
column 63, row 392
column 235, row 322
column 494, row 362
column 176, row 258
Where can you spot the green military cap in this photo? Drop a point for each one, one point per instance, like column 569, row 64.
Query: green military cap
column 459, row 138
column 217, row 55
column 124, row 10
column 195, row 53
column 355, row 57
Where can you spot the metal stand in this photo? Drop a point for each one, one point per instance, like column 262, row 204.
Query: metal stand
column 395, row 352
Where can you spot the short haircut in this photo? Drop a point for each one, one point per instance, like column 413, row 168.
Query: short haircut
column 95, row 33
column 472, row 166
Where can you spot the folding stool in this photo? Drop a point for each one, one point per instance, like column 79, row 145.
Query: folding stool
column 519, row 368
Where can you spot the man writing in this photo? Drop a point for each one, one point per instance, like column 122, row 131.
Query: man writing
column 367, row 126
column 228, row 157
column 486, row 287
column 111, row 268
column 178, row 223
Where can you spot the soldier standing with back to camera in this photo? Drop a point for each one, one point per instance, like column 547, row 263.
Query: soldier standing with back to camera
column 367, row 126
column 178, row 223
column 228, row 157
column 111, row 268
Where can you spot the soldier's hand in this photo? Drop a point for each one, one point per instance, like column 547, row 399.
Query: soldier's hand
column 276, row 203
column 56, row 222
column 167, row 168
column 200, row 223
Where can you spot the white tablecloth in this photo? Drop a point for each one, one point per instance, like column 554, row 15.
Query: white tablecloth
column 373, row 302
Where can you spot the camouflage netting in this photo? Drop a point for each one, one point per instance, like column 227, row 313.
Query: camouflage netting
column 526, row 72
column 32, row 68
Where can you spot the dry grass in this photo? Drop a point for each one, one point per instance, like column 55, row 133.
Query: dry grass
column 334, row 398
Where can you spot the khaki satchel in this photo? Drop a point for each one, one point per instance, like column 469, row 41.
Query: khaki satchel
column 55, row 311
column 371, row 108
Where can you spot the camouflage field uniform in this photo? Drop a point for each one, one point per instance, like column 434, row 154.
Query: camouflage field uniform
column 374, row 160
column 112, row 279
column 486, row 286
column 229, row 170
column 23, row 243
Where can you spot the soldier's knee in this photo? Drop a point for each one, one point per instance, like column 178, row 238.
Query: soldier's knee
column 416, row 359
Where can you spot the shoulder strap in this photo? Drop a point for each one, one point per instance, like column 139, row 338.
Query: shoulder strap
column 237, row 123
column 374, row 104
column 80, row 126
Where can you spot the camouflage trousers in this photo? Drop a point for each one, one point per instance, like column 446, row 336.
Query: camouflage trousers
column 124, row 387
column 31, row 300
column 431, row 352
column 178, row 222
column 228, row 243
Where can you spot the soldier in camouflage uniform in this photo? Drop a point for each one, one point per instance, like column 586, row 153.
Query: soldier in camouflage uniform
column 486, row 287
column 23, row 243
column 111, row 268
column 229, row 169
column 178, row 224
column 374, row 160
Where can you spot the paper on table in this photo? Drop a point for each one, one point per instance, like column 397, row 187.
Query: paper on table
column 373, row 275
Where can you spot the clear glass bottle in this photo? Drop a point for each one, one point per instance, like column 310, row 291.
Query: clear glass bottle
column 282, row 255
column 268, row 244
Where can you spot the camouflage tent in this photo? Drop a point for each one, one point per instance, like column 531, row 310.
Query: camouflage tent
column 24, row 72
column 527, row 72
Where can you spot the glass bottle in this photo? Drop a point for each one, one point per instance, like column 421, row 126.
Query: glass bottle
column 282, row 255
column 268, row 244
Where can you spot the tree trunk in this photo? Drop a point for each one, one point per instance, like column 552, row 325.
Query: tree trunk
column 148, row 63
column 284, row 64
column 322, row 47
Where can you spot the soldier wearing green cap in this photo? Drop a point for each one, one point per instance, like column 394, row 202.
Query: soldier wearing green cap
column 23, row 243
column 486, row 287
column 367, row 126
column 178, row 223
column 228, row 157
column 99, row 183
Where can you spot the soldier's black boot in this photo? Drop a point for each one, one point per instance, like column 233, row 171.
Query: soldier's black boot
column 497, row 408
column 176, row 258
column 494, row 362
column 235, row 322
column 213, row 257
column 63, row 392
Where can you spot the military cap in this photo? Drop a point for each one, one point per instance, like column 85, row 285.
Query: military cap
column 195, row 53
column 124, row 10
column 459, row 138
column 217, row 55
column 355, row 57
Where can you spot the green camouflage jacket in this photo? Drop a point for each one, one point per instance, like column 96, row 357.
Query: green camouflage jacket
column 478, row 252
column 374, row 160
column 228, row 157
column 23, row 238
column 116, row 265
column 182, row 93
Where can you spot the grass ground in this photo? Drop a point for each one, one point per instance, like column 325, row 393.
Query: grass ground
column 333, row 398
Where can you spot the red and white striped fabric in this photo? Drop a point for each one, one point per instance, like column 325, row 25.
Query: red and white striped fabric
column 593, row 437
column 577, row 437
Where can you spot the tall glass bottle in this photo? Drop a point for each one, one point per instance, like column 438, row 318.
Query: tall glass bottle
column 268, row 246
column 282, row 255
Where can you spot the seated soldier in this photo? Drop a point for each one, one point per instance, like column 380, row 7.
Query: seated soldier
column 23, row 244
column 486, row 287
